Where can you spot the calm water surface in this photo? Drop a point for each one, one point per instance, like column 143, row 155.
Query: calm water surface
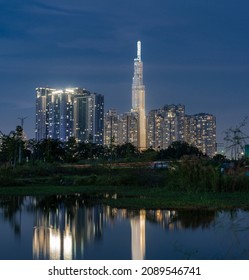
column 69, row 227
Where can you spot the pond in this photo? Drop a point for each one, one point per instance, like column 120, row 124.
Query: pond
column 71, row 227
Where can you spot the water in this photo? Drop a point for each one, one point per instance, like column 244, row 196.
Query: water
column 70, row 227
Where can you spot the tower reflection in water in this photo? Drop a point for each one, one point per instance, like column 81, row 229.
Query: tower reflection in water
column 138, row 236
column 166, row 218
column 64, row 232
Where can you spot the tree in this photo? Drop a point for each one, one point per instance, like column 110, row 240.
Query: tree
column 149, row 155
column 126, row 150
column 70, row 150
column 178, row 149
column 219, row 158
column 49, row 150
column 90, row 151
column 12, row 147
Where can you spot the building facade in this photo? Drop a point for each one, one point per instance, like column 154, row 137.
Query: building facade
column 71, row 112
column 121, row 128
column 200, row 131
column 111, row 127
column 128, row 128
column 165, row 125
column 42, row 112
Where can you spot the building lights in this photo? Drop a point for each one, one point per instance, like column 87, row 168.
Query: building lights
column 62, row 112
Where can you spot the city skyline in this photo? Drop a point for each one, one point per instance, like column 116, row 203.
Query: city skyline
column 196, row 54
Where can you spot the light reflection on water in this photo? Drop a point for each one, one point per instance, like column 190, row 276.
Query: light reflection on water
column 70, row 227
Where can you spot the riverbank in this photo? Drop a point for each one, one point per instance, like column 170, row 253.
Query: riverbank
column 191, row 185
column 138, row 198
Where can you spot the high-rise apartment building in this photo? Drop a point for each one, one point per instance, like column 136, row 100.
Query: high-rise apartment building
column 200, row 131
column 128, row 128
column 165, row 125
column 42, row 112
column 89, row 117
column 121, row 128
column 72, row 112
column 98, row 118
column 60, row 114
column 138, row 99
column 111, row 127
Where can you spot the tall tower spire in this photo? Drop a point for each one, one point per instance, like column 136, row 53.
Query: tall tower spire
column 139, row 51
column 138, row 98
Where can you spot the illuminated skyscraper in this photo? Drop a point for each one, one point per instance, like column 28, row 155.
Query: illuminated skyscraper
column 89, row 117
column 42, row 112
column 60, row 114
column 138, row 98
column 72, row 112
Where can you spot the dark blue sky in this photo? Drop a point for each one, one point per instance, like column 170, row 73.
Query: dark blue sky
column 195, row 52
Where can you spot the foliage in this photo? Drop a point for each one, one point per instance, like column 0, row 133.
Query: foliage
column 59, row 163
column 149, row 155
column 196, row 174
column 48, row 150
column 177, row 150
column 12, row 147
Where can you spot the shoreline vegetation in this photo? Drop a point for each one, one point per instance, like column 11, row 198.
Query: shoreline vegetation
column 121, row 175
column 189, row 183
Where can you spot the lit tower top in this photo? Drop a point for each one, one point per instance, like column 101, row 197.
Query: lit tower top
column 139, row 51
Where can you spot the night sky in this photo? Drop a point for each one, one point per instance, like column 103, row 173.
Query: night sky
column 195, row 53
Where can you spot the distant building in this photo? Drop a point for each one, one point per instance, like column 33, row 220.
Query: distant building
column 155, row 131
column 71, row 112
column 60, row 114
column 200, row 131
column 111, row 127
column 128, row 128
column 42, row 112
column 121, row 128
column 165, row 125
column 89, row 117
